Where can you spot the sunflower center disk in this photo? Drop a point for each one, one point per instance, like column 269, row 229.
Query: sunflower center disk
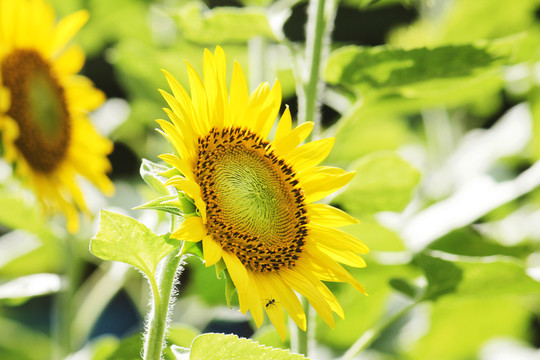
column 255, row 208
column 38, row 105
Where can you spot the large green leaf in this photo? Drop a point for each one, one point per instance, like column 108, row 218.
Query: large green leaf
column 442, row 276
column 395, row 79
column 383, row 182
column 222, row 24
column 458, row 327
column 220, row 346
column 121, row 238
column 495, row 276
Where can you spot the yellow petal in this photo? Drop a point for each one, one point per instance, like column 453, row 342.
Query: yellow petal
column 294, row 138
column 191, row 229
column 268, row 118
column 199, row 99
column 238, row 95
column 284, row 125
column 321, row 185
column 70, row 61
column 288, row 299
column 254, row 300
column 212, row 251
column 301, row 284
column 336, row 238
column 327, row 269
column 238, row 274
column 192, row 190
column 326, row 215
column 179, row 164
column 310, row 154
column 67, row 28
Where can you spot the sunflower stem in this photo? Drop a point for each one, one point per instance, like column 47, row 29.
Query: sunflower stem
column 321, row 15
column 162, row 299
column 63, row 303
column 303, row 339
column 375, row 332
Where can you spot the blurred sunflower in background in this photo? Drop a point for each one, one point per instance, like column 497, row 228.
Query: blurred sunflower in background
column 254, row 197
column 46, row 132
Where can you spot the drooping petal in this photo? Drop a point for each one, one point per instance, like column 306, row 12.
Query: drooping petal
column 212, row 251
column 191, row 229
column 326, row 215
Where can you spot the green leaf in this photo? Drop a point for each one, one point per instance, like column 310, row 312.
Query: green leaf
column 458, row 327
column 122, row 238
column 173, row 204
column 220, row 346
column 378, row 237
column 466, row 241
column 222, row 24
column 387, row 69
column 495, row 276
column 358, row 135
column 443, row 277
column 150, row 172
column 383, row 182
column 129, row 348
column 404, row 287
column 182, row 335
column 393, row 79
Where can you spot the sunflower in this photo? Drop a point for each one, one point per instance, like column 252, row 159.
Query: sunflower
column 44, row 107
column 255, row 197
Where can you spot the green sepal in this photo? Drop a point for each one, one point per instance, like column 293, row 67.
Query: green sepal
column 229, row 288
column 167, row 203
column 193, row 248
column 150, row 173
column 170, row 172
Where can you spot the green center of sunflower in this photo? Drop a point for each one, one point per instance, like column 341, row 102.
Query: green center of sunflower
column 255, row 208
column 38, row 105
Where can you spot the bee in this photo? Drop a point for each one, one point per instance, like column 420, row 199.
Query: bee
column 270, row 302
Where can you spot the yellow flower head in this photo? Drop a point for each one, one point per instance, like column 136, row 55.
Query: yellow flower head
column 256, row 196
column 44, row 107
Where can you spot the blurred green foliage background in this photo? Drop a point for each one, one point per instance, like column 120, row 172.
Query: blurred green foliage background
column 435, row 104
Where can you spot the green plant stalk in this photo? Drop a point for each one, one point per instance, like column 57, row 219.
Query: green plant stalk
column 304, row 338
column 375, row 332
column 63, row 303
column 321, row 15
column 161, row 295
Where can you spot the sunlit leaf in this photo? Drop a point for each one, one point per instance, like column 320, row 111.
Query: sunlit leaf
column 150, row 172
column 466, row 241
column 494, row 277
column 360, row 134
column 222, row 24
column 458, row 327
column 128, row 349
column 409, row 80
column 404, row 287
column 220, row 346
column 443, row 277
column 121, row 238
column 383, row 182
column 376, row 236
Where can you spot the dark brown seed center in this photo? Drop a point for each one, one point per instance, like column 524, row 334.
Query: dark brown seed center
column 255, row 208
column 38, row 105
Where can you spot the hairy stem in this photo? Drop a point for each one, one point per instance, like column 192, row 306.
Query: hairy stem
column 162, row 295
